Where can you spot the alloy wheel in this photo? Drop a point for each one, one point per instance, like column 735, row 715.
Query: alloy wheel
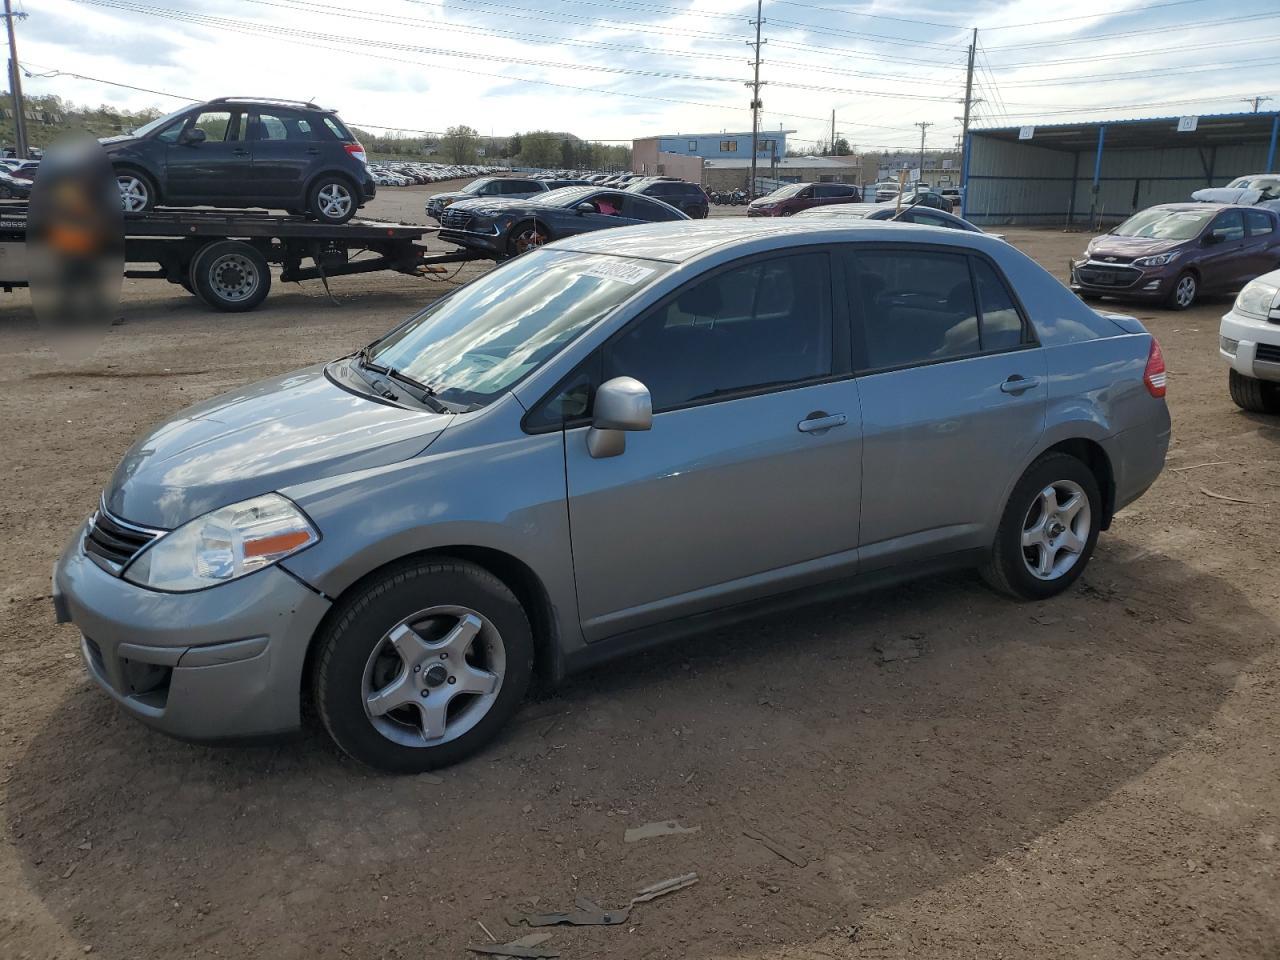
column 1185, row 292
column 334, row 200
column 529, row 238
column 1056, row 530
column 433, row 676
column 134, row 194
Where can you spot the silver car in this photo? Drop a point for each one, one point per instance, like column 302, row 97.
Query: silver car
column 610, row 441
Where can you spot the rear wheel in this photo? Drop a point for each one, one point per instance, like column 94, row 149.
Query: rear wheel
column 423, row 666
column 231, row 275
column 332, row 200
column 1184, row 292
column 1256, row 396
column 1048, row 531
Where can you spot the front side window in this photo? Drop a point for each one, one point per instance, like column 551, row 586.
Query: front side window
column 1228, row 226
column 1257, row 223
column 482, row 339
column 219, row 125
column 916, row 307
column 763, row 325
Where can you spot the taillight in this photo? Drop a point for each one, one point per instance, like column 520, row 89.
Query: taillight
column 1154, row 375
column 357, row 151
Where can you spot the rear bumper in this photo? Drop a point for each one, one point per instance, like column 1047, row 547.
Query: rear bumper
column 1137, row 456
column 218, row 664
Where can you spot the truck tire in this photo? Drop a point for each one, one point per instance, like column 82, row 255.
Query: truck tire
column 1256, row 396
column 231, row 276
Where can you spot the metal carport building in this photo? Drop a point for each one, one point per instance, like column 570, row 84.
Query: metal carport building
column 1106, row 170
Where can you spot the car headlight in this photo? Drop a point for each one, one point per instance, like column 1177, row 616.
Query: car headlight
column 224, row 545
column 1256, row 298
column 1157, row 260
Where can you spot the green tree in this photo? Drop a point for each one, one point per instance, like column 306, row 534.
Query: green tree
column 459, row 144
column 842, row 148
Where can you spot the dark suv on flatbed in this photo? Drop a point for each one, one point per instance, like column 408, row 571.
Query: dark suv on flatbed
column 244, row 152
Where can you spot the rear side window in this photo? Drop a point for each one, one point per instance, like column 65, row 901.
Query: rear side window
column 916, row 307
column 334, row 126
column 1257, row 223
column 275, row 127
column 762, row 325
column 1001, row 322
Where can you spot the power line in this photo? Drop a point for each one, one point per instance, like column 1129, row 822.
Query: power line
column 1094, row 38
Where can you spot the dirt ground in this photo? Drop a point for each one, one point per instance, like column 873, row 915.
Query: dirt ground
column 1092, row 777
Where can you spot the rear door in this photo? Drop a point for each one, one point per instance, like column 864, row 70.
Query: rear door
column 748, row 482
column 1260, row 244
column 219, row 169
column 954, row 393
column 286, row 149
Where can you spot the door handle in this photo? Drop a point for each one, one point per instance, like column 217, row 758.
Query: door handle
column 240, row 152
column 1018, row 384
column 819, row 422
column 313, row 150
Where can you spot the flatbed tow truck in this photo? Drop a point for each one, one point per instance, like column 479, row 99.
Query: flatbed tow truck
column 223, row 256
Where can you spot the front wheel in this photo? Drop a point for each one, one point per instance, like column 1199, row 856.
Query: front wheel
column 137, row 192
column 332, row 200
column 422, row 666
column 526, row 236
column 1048, row 531
column 1256, row 396
column 1184, row 292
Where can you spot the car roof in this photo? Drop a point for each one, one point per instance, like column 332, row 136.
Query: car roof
column 681, row 241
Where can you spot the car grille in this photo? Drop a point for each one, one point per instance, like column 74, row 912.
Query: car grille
column 1108, row 276
column 456, row 219
column 115, row 541
column 1267, row 353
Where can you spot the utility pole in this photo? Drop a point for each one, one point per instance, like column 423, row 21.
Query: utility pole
column 924, row 126
column 15, row 87
column 1256, row 101
column 833, row 133
column 755, row 99
column 968, row 104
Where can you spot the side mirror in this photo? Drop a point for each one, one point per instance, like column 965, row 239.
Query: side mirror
column 1214, row 236
column 194, row 135
column 621, row 404
column 585, row 207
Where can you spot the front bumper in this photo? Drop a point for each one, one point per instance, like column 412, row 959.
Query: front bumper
column 491, row 244
column 1256, row 350
column 218, row 664
column 763, row 212
column 1130, row 282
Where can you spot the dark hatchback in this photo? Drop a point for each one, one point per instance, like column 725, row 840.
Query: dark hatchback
column 795, row 197
column 1175, row 252
column 244, row 152
column 681, row 194
column 506, row 228
column 500, row 188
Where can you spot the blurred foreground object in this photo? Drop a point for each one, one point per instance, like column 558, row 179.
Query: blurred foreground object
column 75, row 246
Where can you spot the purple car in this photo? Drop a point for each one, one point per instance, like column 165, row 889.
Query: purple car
column 1174, row 252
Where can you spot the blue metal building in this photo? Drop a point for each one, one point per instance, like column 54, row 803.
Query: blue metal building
column 1106, row 170
column 724, row 146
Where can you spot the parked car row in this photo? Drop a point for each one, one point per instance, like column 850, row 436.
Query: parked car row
column 400, row 173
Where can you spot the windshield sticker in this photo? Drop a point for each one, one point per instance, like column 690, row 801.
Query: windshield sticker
column 623, row 272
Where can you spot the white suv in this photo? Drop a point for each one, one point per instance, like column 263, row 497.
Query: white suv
column 1249, row 338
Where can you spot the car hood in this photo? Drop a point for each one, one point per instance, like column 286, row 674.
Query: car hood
column 263, row 437
column 449, row 197
column 123, row 140
column 1110, row 245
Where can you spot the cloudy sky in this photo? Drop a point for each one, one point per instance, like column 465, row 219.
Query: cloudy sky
column 618, row 69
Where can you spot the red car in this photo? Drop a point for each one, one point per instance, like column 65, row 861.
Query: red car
column 795, row 197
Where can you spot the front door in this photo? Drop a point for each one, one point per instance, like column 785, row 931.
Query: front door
column 954, row 393
column 1221, row 263
column 748, row 483
column 215, row 170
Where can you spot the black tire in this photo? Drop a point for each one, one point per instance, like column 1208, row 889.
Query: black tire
column 1007, row 567
column 1185, row 290
column 346, row 649
column 332, row 199
column 1256, row 396
column 141, row 195
column 518, row 241
column 231, row 276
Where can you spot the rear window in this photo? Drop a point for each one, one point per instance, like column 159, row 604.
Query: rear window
column 337, row 129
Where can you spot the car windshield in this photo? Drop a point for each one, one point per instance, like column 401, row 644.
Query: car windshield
column 159, row 122
column 1157, row 224
column 488, row 335
column 1255, row 183
column 790, row 190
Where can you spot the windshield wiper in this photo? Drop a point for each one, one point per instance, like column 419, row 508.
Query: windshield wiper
column 426, row 393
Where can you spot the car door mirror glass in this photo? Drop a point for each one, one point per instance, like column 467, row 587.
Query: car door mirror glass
column 194, row 135
column 585, row 207
column 621, row 404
